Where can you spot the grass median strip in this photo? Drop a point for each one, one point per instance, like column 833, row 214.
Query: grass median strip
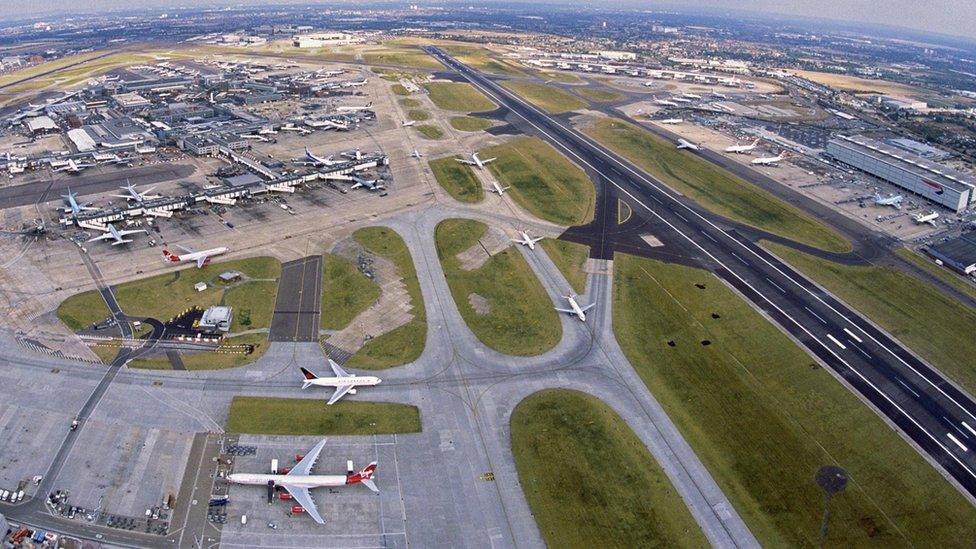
column 406, row 343
column 429, row 131
column 346, row 292
column 502, row 301
column 302, row 416
column 563, row 442
column 937, row 327
column 470, row 124
column 713, row 187
column 569, row 257
column 601, row 96
column 458, row 96
column 457, row 179
column 544, row 182
column 547, row 98
column 763, row 417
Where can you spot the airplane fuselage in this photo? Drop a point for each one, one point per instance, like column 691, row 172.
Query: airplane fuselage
column 337, row 381
column 576, row 309
column 300, row 481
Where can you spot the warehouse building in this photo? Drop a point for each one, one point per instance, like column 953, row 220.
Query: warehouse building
column 940, row 184
column 958, row 253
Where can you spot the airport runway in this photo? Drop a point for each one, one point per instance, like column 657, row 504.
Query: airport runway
column 90, row 183
column 939, row 417
column 297, row 306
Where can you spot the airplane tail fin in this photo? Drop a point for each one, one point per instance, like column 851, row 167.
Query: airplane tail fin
column 364, row 477
column 170, row 256
column 309, row 376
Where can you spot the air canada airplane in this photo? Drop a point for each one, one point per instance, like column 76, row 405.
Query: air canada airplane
column 575, row 309
column 526, row 240
column 299, row 480
column 475, row 161
column 343, row 381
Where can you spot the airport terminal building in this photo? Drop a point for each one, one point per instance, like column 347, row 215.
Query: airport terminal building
column 940, row 184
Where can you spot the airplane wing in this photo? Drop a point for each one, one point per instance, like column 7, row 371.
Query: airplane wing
column 104, row 236
column 184, row 248
column 570, row 311
column 487, row 160
column 134, row 231
column 468, row 162
column 339, row 393
column 304, row 498
column 304, row 467
column 588, row 307
column 537, row 239
column 339, row 372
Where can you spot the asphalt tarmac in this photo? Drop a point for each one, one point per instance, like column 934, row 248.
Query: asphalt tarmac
column 297, row 307
column 928, row 408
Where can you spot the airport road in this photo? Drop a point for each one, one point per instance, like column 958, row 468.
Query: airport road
column 925, row 406
column 298, row 304
column 87, row 184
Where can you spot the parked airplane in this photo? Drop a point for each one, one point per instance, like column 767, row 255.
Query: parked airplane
column 371, row 184
column 408, row 123
column 893, row 201
column 665, row 103
column 742, row 149
column 327, row 124
column 691, row 96
column 343, row 381
column 299, row 480
column 475, row 161
column 498, row 189
column 134, row 194
column 117, row 235
column 671, row 121
column 684, row 144
column 416, row 154
column 575, row 309
column 200, row 258
column 72, row 204
column 73, row 167
column 527, row 240
column 315, row 160
column 926, row 218
column 769, row 160
column 355, row 108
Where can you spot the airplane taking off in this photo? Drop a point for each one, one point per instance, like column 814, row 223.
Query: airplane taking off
column 683, row 144
column 575, row 309
column 893, row 201
column 72, row 204
column 416, row 154
column 117, row 235
column 769, row 160
column 475, row 161
column 742, row 149
column 497, row 189
column 134, row 194
column 343, row 381
column 527, row 240
column 200, row 258
column 371, row 184
column 926, row 218
column 299, row 480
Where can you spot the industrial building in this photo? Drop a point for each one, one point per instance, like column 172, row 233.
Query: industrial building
column 936, row 182
column 216, row 319
column 957, row 253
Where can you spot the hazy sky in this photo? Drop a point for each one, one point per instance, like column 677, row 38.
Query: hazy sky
column 956, row 17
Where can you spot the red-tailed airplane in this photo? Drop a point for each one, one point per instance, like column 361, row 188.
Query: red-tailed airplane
column 298, row 481
column 201, row 258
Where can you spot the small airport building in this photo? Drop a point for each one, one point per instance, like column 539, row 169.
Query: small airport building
column 957, row 253
column 940, row 184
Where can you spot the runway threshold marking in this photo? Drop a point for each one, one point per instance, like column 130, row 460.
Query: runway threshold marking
column 968, row 428
column 834, row 339
column 496, row 92
column 956, row 440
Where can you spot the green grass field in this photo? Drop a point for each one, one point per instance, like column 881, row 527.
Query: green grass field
column 402, row 57
column 457, row 179
column 311, row 416
column 547, row 98
column 713, row 187
column 943, row 273
column 521, row 320
column 569, row 257
column 346, row 292
column 564, row 77
column 543, row 181
column 409, row 103
column 470, row 124
column 398, row 89
column 429, row 131
column 458, row 96
column 406, row 343
column 564, row 442
column 600, row 96
column 937, row 327
column 764, row 418
column 418, row 115
column 166, row 295
column 482, row 59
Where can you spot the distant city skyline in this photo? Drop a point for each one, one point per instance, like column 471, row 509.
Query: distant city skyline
column 936, row 16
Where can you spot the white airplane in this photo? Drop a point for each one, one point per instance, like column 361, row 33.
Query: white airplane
column 769, row 160
column 416, row 154
column 475, row 161
column 371, row 184
column 355, row 108
column 685, row 144
column 408, row 123
column 742, row 149
column 356, row 84
column 73, row 167
column 117, row 235
column 893, row 201
column 926, row 218
column 665, row 103
column 200, row 258
column 72, row 204
column 134, row 194
column 327, row 124
column 526, row 240
column 315, row 160
column 671, row 121
column 575, row 309
column 680, row 100
column 498, row 189
column 299, row 480
column 343, row 381
column 691, row 96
